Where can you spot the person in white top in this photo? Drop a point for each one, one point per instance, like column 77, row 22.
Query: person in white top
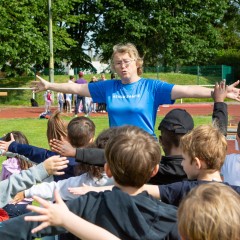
column 231, row 167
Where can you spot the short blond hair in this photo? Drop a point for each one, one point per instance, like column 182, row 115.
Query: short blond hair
column 207, row 143
column 132, row 154
column 133, row 53
column 211, row 212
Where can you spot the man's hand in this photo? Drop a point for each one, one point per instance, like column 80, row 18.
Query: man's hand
column 55, row 164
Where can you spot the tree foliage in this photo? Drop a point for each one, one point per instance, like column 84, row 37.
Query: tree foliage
column 166, row 32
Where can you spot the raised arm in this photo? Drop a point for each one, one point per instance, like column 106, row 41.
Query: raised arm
column 220, row 109
column 181, row 91
column 42, row 85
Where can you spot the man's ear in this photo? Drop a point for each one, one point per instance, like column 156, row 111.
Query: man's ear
column 155, row 170
column 107, row 170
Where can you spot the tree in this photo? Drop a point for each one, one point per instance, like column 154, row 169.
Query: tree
column 181, row 32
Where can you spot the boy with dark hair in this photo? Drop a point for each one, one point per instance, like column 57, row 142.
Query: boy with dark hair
column 127, row 212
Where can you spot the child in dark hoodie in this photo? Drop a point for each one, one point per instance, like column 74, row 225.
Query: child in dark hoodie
column 127, row 212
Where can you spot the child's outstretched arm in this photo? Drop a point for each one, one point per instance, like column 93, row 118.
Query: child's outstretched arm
column 151, row 189
column 55, row 164
column 26, row 178
column 58, row 214
column 86, row 188
column 63, row 147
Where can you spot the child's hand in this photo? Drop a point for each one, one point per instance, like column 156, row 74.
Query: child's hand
column 18, row 198
column 63, row 147
column 50, row 214
column 220, row 91
column 86, row 188
column 54, row 164
column 5, row 145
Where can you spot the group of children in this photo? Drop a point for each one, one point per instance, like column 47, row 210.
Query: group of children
column 195, row 203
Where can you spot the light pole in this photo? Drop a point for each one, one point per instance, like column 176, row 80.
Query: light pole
column 51, row 61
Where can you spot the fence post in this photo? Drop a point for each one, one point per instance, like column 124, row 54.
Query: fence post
column 198, row 73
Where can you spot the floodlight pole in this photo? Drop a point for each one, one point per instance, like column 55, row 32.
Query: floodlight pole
column 51, row 61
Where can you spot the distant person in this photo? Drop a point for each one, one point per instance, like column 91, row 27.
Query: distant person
column 210, row 212
column 60, row 98
column 93, row 105
column 126, row 211
column 102, row 106
column 48, row 101
column 80, row 98
column 132, row 99
column 113, row 75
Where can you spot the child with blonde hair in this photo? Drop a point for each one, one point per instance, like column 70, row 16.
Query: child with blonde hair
column 210, row 212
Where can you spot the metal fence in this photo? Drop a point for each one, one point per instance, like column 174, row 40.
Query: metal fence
column 214, row 73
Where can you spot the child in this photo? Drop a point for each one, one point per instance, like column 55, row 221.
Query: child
column 132, row 158
column 231, row 167
column 210, row 212
column 60, row 99
column 15, row 165
column 48, row 101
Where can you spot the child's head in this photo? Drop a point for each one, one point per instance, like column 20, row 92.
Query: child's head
column 174, row 125
column 204, row 148
column 210, row 212
column 132, row 156
column 19, row 138
column 100, row 142
column 81, row 131
column 56, row 127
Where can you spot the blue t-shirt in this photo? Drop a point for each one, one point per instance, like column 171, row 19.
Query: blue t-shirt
column 132, row 104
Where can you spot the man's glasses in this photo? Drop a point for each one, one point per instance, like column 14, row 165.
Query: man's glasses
column 125, row 63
